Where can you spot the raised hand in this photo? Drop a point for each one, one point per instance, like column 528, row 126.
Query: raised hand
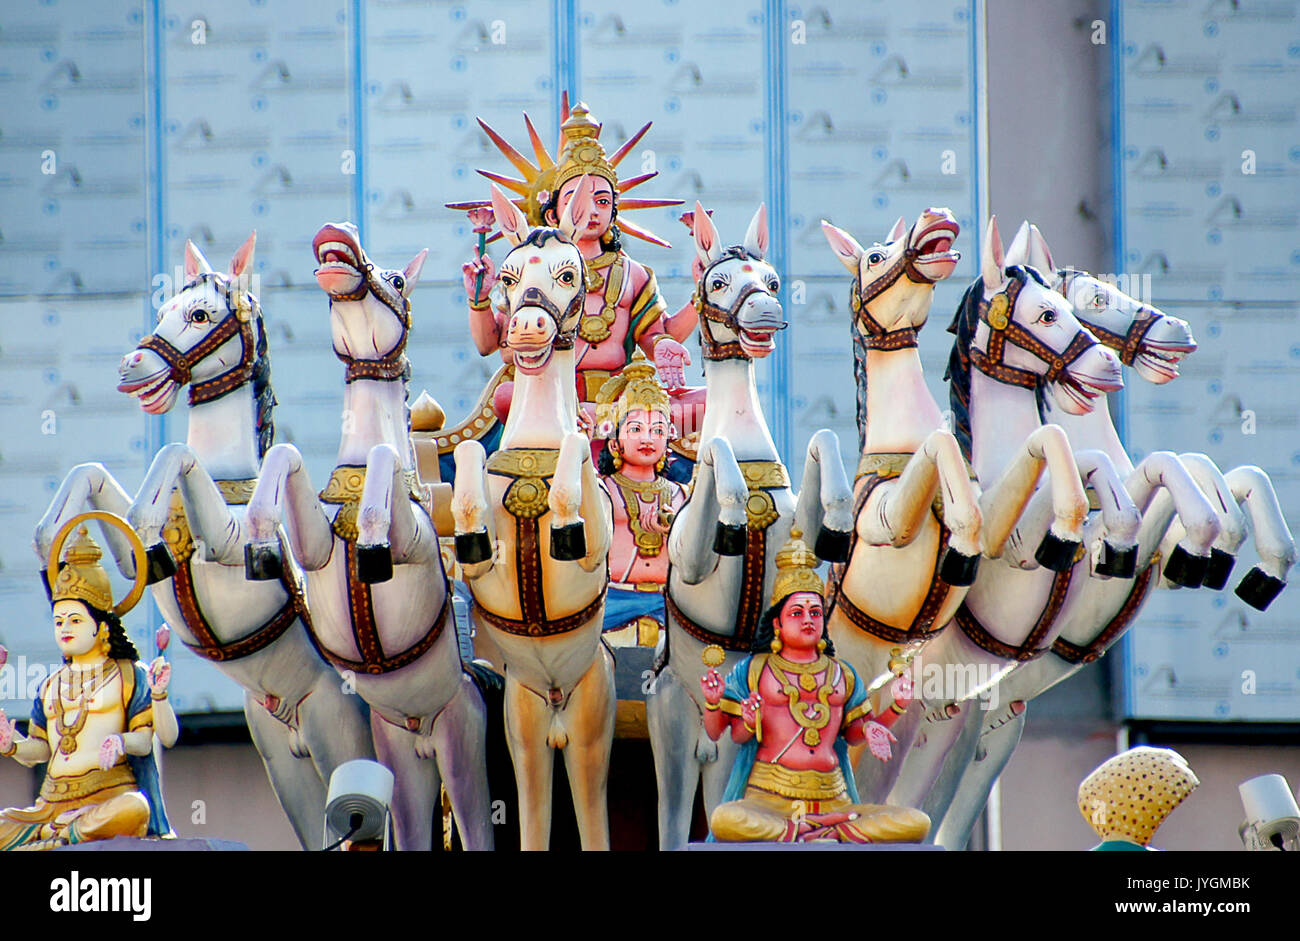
column 110, row 750
column 160, row 674
column 7, row 730
column 902, row 691
column 671, row 358
column 749, row 710
column 470, row 271
column 711, row 685
column 880, row 740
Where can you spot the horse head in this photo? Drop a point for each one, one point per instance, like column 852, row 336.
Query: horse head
column 1026, row 334
column 737, row 291
column 894, row 280
column 544, row 279
column 1149, row 340
column 370, row 307
column 209, row 337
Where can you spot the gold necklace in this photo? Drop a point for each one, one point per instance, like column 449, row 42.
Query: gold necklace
column 68, row 732
column 658, row 491
column 811, row 717
column 595, row 328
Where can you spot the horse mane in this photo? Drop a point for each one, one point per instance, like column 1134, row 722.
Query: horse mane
column 263, row 395
column 860, row 379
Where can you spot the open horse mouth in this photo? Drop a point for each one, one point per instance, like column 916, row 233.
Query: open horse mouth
column 935, row 255
column 339, row 258
column 156, row 394
column 1163, row 359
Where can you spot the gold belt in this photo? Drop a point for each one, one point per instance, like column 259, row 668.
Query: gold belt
column 77, row 787
column 799, row 785
column 591, row 381
column 639, row 586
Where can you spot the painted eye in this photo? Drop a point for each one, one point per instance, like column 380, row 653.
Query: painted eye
column 566, row 278
column 399, row 282
column 1049, row 316
column 875, row 258
column 508, row 280
column 718, row 284
column 773, row 285
column 1099, row 300
column 199, row 316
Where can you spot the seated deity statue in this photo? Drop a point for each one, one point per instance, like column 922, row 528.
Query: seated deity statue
column 795, row 709
column 634, row 414
column 93, row 721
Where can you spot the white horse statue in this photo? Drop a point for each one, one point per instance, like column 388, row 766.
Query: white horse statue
column 533, row 530
column 1209, row 531
column 1014, row 334
column 190, row 512
column 379, row 596
column 741, row 510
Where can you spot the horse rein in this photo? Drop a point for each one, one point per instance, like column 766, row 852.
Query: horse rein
column 997, row 313
column 1126, row 345
column 238, row 321
column 728, row 317
column 877, row 337
column 393, row 365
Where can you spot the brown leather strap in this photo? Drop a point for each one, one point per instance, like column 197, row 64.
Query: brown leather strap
column 182, row 363
column 997, row 312
column 1072, row 653
column 1029, row 649
column 749, row 607
column 710, row 312
column 208, row 646
column 876, row 336
column 366, row 633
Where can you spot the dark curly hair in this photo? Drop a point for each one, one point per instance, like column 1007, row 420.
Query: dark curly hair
column 119, row 645
column 611, row 241
column 766, row 631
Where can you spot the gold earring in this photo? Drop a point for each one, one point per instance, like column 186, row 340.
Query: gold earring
column 616, row 456
column 821, row 645
column 661, row 464
column 105, row 644
column 776, row 645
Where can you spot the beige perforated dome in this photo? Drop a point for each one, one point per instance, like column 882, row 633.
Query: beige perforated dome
column 1129, row 796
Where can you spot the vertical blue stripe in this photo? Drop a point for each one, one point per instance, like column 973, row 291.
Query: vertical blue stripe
column 564, row 53
column 776, row 132
column 358, row 40
column 155, row 187
column 977, row 29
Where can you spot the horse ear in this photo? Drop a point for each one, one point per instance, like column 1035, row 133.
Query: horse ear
column 897, row 231
column 992, row 261
column 845, row 246
column 241, row 265
column 578, row 208
column 706, row 236
column 511, row 219
column 411, row 273
column 195, row 263
column 756, row 235
column 1040, row 256
column 1018, row 252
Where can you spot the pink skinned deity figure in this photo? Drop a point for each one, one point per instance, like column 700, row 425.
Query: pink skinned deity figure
column 623, row 309
column 94, row 721
column 794, row 709
column 633, row 419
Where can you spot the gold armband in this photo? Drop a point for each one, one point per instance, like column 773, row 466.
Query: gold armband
column 155, row 697
column 893, row 707
column 485, row 304
column 11, row 750
column 712, row 706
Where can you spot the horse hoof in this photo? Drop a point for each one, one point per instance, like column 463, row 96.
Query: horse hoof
column 568, row 543
column 1117, row 563
column 159, row 564
column 957, row 568
column 832, row 545
column 374, row 564
column 1056, row 553
column 1186, row 569
column 1258, row 588
column 1221, row 563
column 729, row 540
column 262, row 563
column 472, row 548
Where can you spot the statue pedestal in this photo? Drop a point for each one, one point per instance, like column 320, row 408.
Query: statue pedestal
column 123, row 844
column 816, row 846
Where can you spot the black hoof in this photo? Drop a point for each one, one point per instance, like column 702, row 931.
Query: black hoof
column 1117, row 563
column 1056, row 553
column 159, row 564
column 729, row 540
column 1221, row 563
column 568, row 543
column 374, row 564
column 957, row 568
column 472, row 548
column 262, row 563
column 1258, row 588
column 832, row 545
column 1186, row 569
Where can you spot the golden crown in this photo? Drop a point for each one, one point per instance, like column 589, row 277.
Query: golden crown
column 636, row 387
column 1131, row 794
column 83, row 578
column 796, row 570
column 580, row 151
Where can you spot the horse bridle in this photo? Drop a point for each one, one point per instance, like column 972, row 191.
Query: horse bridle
column 534, row 297
column 877, row 337
column 393, row 365
column 1128, row 344
column 997, row 313
column 728, row 317
column 241, row 308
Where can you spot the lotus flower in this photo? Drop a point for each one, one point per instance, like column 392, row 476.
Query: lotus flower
column 163, row 637
column 482, row 219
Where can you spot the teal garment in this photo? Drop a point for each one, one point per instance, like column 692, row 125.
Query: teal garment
column 737, row 690
column 1122, row 845
column 142, row 766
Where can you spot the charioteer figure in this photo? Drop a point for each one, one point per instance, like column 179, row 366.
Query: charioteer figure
column 795, row 709
column 635, row 414
column 93, row 721
column 623, row 308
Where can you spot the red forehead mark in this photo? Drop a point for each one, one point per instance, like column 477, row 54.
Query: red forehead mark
column 535, row 260
column 746, row 267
